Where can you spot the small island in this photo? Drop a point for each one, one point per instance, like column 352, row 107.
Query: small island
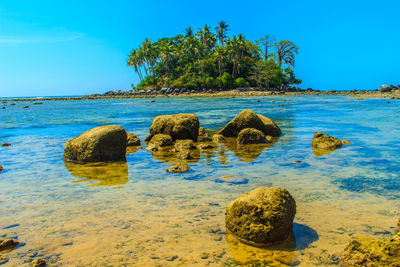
column 209, row 59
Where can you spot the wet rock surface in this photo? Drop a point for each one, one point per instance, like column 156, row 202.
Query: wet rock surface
column 178, row 126
column 38, row 263
column 261, row 216
column 249, row 119
column 324, row 144
column 251, row 136
column 160, row 140
column 178, row 168
column 8, row 244
column 218, row 138
column 181, row 145
column 132, row 140
column 104, row 143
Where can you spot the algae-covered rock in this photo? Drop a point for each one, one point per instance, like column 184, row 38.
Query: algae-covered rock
column 160, row 140
column 202, row 132
column 365, row 251
column 324, row 144
column 38, row 263
column 184, row 145
column 248, row 119
column 261, row 216
column 132, row 140
column 251, row 136
column 178, row 168
column 8, row 244
column 205, row 146
column 178, row 126
column 104, row 143
column 218, row 138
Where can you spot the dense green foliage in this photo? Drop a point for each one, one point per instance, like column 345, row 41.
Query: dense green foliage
column 211, row 59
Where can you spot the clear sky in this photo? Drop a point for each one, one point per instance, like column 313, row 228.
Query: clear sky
column 75, row 47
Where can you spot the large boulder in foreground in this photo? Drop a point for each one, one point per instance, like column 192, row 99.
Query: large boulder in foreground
column 324, row 144
column 261, row 216
column 104, row 143
column 178, row 126
column 249, row 119
column 249, row 136
column 365, row 251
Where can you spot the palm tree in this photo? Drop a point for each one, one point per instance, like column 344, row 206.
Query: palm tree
column 286, row 51
column 134, row 61
column 221, row 29
column 219, row 55
column 166, row 52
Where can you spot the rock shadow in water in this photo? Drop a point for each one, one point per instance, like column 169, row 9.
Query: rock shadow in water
column 274, row 254
column 101, row 173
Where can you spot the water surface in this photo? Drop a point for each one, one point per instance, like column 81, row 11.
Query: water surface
column 135, row 213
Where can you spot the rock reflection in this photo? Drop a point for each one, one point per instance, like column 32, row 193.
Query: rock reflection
column 101, row 173
column 132, row 149
column 247, row 152
column 321, row 152
column 280, row 254
column 276, row 254
column 170, row 156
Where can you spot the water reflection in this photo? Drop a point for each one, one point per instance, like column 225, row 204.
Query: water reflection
column 101, row 173
column 247, row 152
column 277, row 254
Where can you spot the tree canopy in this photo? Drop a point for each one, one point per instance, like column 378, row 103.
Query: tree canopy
column 209, row 58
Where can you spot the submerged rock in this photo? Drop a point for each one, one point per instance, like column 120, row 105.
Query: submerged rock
column 160, row 140
column 104, row 143
column 205, row 146
column 218, row 138
column 8, row 244
column 132, row 140
column 178, row 168
column 261, row 216
column 38, row 263
column 230, row 179
column 1, row 168
column 248, row 119
column 6, row 144
column 365, row 251
column 184, row 145
column 324, row 144
column 202, row 132
column 178, row 126
column 3, row 259
column 251, row 136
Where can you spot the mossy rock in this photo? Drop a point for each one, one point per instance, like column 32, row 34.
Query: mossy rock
column 218, row 138
column 132, row 140
column 181, row 145
column 251, row 136
column 365, row 251
column 160, row 140
column 262, row 216
column 178, row 168
column 104, row 143
column 249, row 119
column 323, row 144
column 178, row 126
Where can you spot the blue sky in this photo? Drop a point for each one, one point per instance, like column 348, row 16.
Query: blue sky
column 80, row 47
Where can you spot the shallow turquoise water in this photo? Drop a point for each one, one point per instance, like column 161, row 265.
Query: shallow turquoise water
column 354, row 190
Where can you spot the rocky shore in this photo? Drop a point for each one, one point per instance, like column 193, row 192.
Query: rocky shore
column 386, row 92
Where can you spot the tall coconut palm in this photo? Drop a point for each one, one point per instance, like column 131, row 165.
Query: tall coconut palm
column 166, row 52
column 286, row 51
column 134, row 61
column 222, row 29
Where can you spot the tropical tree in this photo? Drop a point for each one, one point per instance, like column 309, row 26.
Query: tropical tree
column 266, row 42
column 222, row 29
column 286, row 51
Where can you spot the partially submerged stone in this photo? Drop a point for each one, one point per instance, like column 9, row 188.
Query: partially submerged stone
column 160, row 140
column 230, row 179
column 365, row 251
column 178, row 168
column 205, row 146
column 324, row 144
column 249, row 119
column 251, row 136
column 218, row 138
column 184, row 145
column 1, row 168
column 202, row 132
column 104, row 143
column 261, row 216
column 8, row 244
column 38, row 263
column 6, row 144
column 178, row 126
column 132, row 140
column 184, row 155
